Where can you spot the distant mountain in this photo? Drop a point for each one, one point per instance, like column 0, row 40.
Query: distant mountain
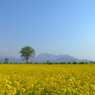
column 42, row 58
column 56, row 58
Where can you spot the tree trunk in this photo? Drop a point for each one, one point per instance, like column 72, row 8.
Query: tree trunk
column 26, row 61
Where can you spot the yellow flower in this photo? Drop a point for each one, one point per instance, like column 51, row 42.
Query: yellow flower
column 64, row 90
column 23, row 89
column 8, row 86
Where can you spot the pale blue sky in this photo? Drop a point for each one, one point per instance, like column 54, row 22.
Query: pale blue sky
column 49, row 26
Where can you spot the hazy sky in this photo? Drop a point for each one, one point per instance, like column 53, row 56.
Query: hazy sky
column 49, row 26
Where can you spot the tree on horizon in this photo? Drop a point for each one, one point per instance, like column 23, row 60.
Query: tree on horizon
column 27, row 52
column 6, row 60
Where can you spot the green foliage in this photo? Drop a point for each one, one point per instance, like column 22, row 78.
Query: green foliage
column 27, row 52
column 74, row 62
column 47, row 61
column 6, row 60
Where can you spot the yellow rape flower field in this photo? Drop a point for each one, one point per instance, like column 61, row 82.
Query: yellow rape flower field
column 44, row 79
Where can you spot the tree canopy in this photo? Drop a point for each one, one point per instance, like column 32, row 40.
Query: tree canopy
column 27, row 52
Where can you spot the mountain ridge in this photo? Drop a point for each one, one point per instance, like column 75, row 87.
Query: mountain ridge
column 42, row 58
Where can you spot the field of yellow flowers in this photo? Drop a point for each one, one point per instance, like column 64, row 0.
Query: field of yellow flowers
column 44, row 79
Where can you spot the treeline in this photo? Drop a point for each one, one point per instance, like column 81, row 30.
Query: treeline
column 50, row 63
column 67, row 63
column 71, row 63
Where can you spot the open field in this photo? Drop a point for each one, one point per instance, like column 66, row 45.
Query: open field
column 44, row 79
